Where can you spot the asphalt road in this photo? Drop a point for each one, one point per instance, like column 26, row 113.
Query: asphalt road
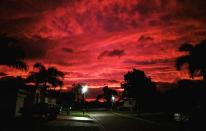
column 112, row 122
column 103, row 121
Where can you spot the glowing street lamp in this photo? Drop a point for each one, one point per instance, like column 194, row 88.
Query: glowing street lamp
column 113, row 100
column 84, row 90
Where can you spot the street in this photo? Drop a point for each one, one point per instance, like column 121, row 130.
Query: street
column 96, row 121
column 112, row 122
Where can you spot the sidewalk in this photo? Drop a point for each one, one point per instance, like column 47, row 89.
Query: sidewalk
column 72, row 123
column 75, row 122
column 75, row 118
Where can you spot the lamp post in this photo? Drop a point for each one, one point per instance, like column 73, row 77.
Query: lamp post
column 84, row 90
column 113, row 100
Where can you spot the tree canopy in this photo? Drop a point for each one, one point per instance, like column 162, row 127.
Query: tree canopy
column 45, row 76
column 136, row 83
column 194, row 58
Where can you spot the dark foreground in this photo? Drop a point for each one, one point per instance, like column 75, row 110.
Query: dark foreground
column 116, row 122
column 98, row 121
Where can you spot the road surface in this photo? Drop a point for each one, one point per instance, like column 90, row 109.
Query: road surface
column 102, row 121
column 112, row 122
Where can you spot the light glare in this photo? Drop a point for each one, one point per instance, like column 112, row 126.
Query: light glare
column 84, row 89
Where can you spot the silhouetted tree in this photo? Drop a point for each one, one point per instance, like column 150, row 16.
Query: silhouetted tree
column 45, row 78
column 76, row 89
column 98, row 97
column 180, row 99
column 66, row 99
column 108, row 93
column 194, row 58
column 138, row 85
column 51, row 76
column 39, row 77
column 55, row 77
column 11, row 54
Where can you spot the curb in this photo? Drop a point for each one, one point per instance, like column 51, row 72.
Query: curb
column 99, row 124
column 136, row 118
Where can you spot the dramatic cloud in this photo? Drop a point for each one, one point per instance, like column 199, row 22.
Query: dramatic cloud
column 2, row 74
column 35, row 48
column 145, row 38
column 68, row 50
column 113, row 81
column 112, row 53
column 97, row 41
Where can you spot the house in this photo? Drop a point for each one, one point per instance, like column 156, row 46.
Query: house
column 127, row 104
column 21, row 99
column 51, row 98
column 13, row 96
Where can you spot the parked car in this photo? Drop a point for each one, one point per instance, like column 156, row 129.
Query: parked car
column 41, row 110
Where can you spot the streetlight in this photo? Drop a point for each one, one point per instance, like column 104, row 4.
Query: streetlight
column 84, row 90
column 113, row 100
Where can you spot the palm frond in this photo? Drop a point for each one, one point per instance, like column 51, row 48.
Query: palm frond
column 18, row 65
column 56, row 82
column 55, row 72
column 186, row 47
column 39, row 66
column 181, row 61
column 192, row 70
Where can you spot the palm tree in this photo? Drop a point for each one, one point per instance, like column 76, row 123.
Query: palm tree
column 194, row 58
column 108, row 93
column 55, row 77
column 11, row 54
column 45, row 78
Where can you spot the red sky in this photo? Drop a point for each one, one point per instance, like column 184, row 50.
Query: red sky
column 97, row 41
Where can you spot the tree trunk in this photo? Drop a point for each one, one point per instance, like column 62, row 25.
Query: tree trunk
column 43, row 92
column 204, row 74
column 138, row 106
column 35, row 94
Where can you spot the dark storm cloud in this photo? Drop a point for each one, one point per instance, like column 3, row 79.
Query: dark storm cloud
column 200, row 33
column 151, row 62
column 116, row 53
column 113, row 81
column 113, row 23
column 18, row 26
column 188, row 9
column 10, row 9
column 193, row 8
column 35, row 48
column 145, row 38
column 112, row 53
column 67, row 50
column 63, row 63
column 2, row 74
column 145, row 7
